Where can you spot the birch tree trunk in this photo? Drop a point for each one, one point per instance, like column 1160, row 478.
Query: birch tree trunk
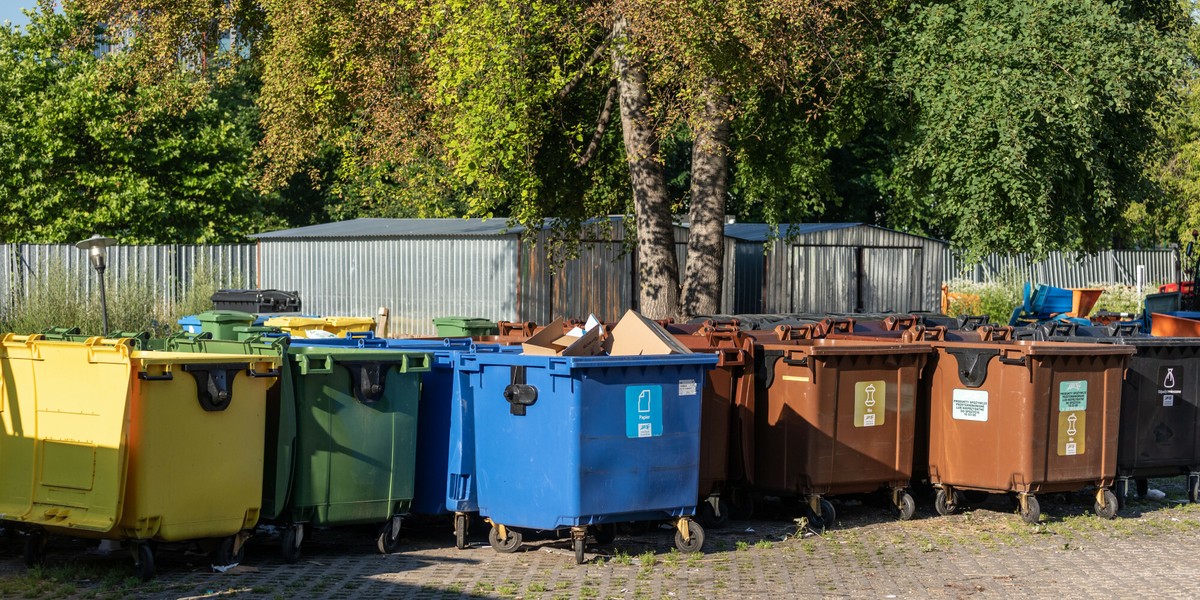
column 710, row 180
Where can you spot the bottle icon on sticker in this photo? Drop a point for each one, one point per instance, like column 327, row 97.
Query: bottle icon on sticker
column 1071, row 430
column 1169, row 378
column 644, row 401
column 870, row 400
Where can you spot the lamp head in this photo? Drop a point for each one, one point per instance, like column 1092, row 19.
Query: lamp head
column 96, row 247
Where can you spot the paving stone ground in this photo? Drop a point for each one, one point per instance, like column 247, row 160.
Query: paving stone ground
column 985, row 552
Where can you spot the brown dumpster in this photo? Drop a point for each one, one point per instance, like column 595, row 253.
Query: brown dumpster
column 836, row 417
column 1025, row 417
column 725, row 403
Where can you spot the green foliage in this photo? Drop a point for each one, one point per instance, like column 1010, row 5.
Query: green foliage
column 996, row 298
column 1030, row 120
column 85, row 147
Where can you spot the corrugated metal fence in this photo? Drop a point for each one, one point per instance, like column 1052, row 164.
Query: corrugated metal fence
column 1071, row 270
column 169, row 270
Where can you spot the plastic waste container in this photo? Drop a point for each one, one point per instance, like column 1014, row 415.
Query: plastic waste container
column 1159, row 434
column 464, row 327
column 355, row 439
column 297, row 327
column 256, row 301
column 726, row 421
column 573, row 442
column 104, row 441
column 836, row 417
column 140, row 340
column 190, row 324
column 1025, row 417
column 340, row 326
column 221, row 323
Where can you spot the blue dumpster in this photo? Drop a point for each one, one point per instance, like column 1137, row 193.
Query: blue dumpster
column 573, row 442
column 190, row 324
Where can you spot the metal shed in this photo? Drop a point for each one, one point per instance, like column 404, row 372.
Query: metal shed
column 838, row 267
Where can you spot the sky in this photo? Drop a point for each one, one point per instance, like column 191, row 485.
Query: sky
column 10, row 10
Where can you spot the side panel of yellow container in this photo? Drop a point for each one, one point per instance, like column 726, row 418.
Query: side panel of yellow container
column 75, row 394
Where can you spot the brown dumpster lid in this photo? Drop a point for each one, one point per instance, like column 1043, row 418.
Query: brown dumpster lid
column 1041, row 348
column 846, row 347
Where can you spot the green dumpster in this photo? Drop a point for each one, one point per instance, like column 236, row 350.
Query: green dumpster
column 464, row 327
column 222, row 323
column 141, row 339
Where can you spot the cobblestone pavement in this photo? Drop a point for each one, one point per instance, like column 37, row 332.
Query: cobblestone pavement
column 985, row 552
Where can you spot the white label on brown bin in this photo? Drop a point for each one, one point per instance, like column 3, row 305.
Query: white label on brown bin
column 969, row 405
column 870, row 403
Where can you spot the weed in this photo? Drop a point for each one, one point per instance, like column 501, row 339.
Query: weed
column 648, row 559
column 621, row 558
column 764, row 544
column 742, row 545
column 536, row 587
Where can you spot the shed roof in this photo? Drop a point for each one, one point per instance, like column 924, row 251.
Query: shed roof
column 397, row 228
column 761, row 232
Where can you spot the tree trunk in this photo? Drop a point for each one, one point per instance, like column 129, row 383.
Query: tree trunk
column 658, row 271
column 710, row 179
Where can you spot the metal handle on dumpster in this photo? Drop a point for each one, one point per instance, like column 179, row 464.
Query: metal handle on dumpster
column 214, row 383
column 307, row 366
column 972, row 322
column 898, row 323
column 519, row 394
column 1019, row 361
column 790, row 358
column 972, row 364
column 367, row 378
column 1124, row 329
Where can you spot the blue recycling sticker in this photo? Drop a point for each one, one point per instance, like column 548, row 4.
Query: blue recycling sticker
column 643, row 411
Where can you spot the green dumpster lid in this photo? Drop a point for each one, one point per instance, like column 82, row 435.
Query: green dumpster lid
column 463, row 321
column 225, row 316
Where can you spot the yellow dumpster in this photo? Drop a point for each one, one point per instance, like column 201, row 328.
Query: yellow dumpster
column 297, row 326
column 104, row 441
column 340, row 326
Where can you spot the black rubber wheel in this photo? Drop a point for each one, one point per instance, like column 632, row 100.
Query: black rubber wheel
column 512, row 544
column 828, row 514
column 289, row 543
column 908, row 506
column 1109, row 510
column 143, row 561
column 604, row 534
column 388, row 541
column 1143, row 488
column 1033, row 511
column 460, row 531
column 580, row 545
column 1193, row 489
column 944, row 504
column 225, row 555
column 35, row 548
column 694, row 544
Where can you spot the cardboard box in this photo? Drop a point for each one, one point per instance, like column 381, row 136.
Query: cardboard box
column 551, row 341
column 635, row 335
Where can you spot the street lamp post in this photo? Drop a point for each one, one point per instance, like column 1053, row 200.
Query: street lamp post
column 96, row 247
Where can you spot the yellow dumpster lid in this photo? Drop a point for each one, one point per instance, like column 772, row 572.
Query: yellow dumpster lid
column 347, row 321
column 155, row 357
column 294, row 322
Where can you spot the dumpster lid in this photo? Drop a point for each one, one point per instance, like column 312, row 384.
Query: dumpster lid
column 1042, row 348
column 464, row 322
column 346, row 321
column 287, row 322
column 224, row 316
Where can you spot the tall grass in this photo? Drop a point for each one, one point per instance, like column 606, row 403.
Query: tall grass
column 56, row 298
column 998, row 298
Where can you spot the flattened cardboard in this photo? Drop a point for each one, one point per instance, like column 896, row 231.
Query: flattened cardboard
column 635, row 335
column 550, row 341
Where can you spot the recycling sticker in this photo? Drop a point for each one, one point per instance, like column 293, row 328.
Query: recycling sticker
column 870, row 404
column 1170, row 384
column 643, row 411
column 1072, row 417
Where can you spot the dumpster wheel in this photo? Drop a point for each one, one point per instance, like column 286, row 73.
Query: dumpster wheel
column 460, row 530
column 143, row 561
column 389, row 536
column 290, row 541
column 511, row 542
column 1031, row 511
column 713, row 512
column 232, row 550
column 579, row 543
column 946, row 501
column 907, row 506
column 1106, row 504
column 689, row 536
column 35, row 548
